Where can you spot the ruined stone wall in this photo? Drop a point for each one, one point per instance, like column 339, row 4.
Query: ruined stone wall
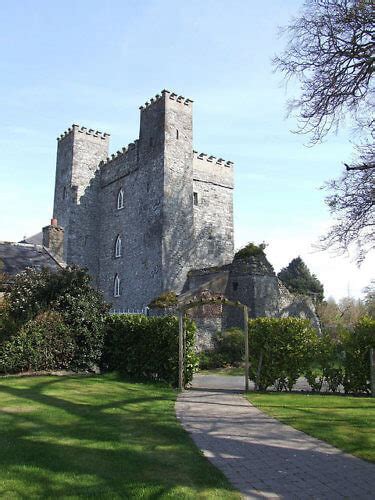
column 250, row 281
column 253, row 282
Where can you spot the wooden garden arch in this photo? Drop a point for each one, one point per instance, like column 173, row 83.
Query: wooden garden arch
column 181, row 340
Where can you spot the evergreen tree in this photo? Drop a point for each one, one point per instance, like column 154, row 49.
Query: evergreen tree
column 298, row 279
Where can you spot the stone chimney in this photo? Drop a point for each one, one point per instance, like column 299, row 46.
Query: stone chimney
column 53, row 240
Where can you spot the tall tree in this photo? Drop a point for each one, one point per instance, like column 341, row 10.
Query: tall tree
column 331, row 50
column 369, row 299
column 298, row 279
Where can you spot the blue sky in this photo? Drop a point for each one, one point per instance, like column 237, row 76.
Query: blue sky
column 94, row 62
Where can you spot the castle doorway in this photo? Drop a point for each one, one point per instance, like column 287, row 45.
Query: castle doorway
column 183, row 308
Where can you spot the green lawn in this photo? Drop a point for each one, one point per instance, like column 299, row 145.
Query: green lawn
column 98, row 437
column 345, row 422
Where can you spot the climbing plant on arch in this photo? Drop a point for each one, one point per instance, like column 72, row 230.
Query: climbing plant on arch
column 184, row 307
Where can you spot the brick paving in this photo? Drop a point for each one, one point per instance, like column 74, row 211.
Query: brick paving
column 262, row 457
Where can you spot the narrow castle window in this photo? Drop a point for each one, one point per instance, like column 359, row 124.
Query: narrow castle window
column 64, row 193
column 235, row 285
column 177, row 134
column 195, row 198
column 151, row 142
column 116, row 286
column 120, row 199
column 118, row 246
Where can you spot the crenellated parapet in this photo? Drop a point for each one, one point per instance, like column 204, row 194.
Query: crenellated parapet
column 213, row 170
column 166, row 94
column 121, row 154
column 84, row 130
column 212, row 159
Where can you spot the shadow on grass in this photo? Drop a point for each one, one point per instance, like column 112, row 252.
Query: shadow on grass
column 97, row 437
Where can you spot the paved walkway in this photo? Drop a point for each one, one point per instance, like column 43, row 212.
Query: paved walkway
column 262, row 457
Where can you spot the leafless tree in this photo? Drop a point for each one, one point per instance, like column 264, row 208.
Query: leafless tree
column 352, row 202
column 331, row 50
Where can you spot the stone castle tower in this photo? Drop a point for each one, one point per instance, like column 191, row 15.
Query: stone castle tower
column 142, row 218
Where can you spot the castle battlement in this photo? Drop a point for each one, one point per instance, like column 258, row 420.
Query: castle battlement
column 170, row 208
column 120, row 154
column 166, row 94
column 84, row 130
column 212, row 159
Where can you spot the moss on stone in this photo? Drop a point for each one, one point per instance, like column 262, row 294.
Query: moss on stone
column 165, row 299
column 251, row 250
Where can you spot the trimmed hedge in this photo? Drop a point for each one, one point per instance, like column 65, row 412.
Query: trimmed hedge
column 344, row 360
column 283, row 349
column 280, row 350
column 147, row 348
column 356, row 364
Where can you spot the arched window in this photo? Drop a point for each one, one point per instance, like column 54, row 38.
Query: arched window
column 120, row 199
column 118, row 246
column 116, row 286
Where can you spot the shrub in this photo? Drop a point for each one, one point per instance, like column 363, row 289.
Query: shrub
column 228, row 350
column 147, row 348
column 8, row 325
column 326, row 363
column 164, row 300
column 251, row 250
column 44, row 343
column 208, row 359
column 357, row 344
column 230, row 346
column 69, row 292
column 334, row 377
column 280, row 350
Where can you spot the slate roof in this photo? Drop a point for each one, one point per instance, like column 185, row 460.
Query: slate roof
column 16, row 257
column 35, row 239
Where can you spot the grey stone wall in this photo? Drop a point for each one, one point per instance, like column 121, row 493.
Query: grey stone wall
column 76, row 206
column 138, row 224
column 213, row 213
column 253, row 282
column 178, row 245
column 163, row 235
column 166, row 233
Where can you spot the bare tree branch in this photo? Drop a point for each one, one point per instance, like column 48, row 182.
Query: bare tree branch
column 331, row 51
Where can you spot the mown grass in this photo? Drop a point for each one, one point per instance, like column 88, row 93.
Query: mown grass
column 98, row 437
column 345, row 422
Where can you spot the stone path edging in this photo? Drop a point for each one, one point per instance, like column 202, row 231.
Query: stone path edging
column 262, row 457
